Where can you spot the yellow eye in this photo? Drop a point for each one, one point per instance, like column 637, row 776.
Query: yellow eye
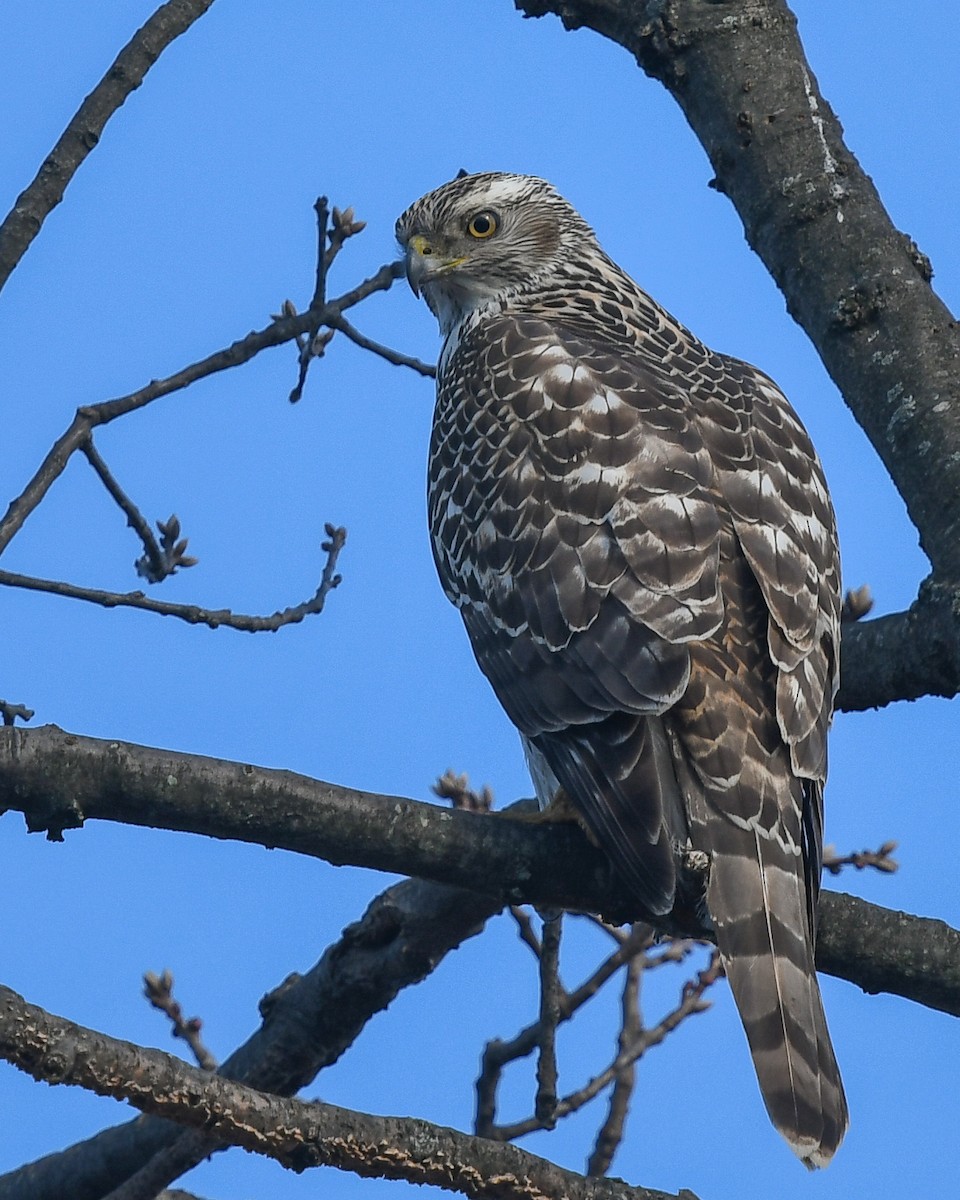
column 483, row 225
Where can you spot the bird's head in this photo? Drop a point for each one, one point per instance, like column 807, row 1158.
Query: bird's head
column 481, row 238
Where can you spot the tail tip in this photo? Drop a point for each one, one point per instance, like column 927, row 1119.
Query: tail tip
column 812, row 1153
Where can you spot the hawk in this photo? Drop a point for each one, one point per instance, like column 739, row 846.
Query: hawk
column 638, row 535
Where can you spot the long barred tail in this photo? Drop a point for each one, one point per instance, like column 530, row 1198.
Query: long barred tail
column 749, row 806
column 757, row 898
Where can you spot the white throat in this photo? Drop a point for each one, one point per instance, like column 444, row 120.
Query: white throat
column 453, row 304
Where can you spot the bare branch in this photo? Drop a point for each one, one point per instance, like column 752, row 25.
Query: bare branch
column 497, row 1053
column 691, row 1003
column 903, row 656
column 59, row 780
column 89, row 417
column 191, row 613
column 392, row 356
column 296, row 1134
column 313, row 345
column 158, row 989
column 323, row 217
column 125, row 75
column 858, row 286
column 308, row 1022
column 857, row 602
column 640, row 938
column 551, row 1008
column 525, row 929
column 631, row 1027
column 456, row 788
column 151, row 564
column 345, row 225
column 879, row 859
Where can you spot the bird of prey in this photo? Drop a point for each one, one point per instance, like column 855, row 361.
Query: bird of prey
column 639, row 538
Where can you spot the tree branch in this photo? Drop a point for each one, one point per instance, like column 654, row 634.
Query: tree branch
column 89, row 417
column 34, row 205
column 308, row 1023
column 295, row 1133
column 193, row 614
column 392, row 356
column 158, row 989
column 903, row 656
column 631, row 1026
column 882, row 950
column 857, row 285
column 58, row 780
column 155, row 567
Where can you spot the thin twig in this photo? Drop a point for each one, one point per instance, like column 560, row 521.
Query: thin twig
column 91, row 416
column 672, row 950
column 525, row 929
column 342, row 325
column 551, row 994
column 631, row 1026
column 857, row 602
column 345, row 225
column 617, row 932
column 456, row 788
column 126, row 73
column 314, row 346
column 310, row 348
column 191, row 613
column 309, row 344
column 691, row 1003
column 158, row 989
column 498, row 1053
column 135, row 518
column 879, row 859
column 640, row 939
column 320, row 287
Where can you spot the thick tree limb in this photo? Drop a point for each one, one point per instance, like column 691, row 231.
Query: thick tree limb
column 297, row 1134
column 858, row 286
column 309, row 1021
column 903, row 656
column 874, row 947
column 58, row 780
column 34, row 205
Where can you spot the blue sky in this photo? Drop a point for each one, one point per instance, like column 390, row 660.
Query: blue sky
column 187, row 227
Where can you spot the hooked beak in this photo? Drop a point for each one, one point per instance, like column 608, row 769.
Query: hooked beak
column 424, row 264
column 417, row 265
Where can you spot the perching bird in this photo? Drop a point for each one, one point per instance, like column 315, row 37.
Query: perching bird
column 638, row 535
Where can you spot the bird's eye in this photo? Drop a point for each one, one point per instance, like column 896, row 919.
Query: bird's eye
column 483, row 225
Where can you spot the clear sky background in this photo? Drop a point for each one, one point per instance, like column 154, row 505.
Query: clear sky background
column 190, row 223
